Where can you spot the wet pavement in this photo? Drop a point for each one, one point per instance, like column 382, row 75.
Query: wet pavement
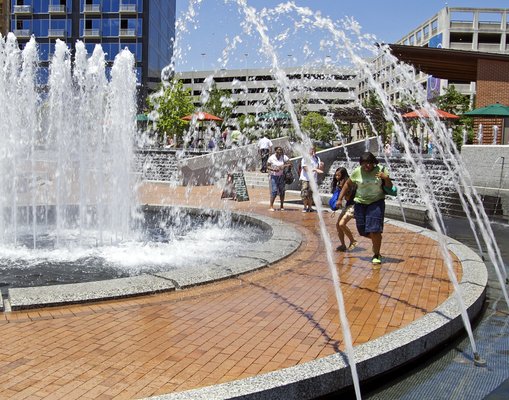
column 280, row 317
column 450, row 373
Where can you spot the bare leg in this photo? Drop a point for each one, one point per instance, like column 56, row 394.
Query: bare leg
column 282, row 199
column 272, row 201
column 376, row 239
column 341, row 235
column 345, row 229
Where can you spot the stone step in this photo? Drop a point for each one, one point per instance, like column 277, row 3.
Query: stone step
column 256, row 179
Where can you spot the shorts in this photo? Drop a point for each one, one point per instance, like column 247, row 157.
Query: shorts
column 305, row 190
column 347, row 211
column 277, row 185
column 369, row 218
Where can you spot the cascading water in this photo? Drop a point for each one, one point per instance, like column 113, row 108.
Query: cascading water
column 68, row 202
column 259, row 23
column 67, row 149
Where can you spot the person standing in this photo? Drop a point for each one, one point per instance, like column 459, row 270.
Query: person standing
column 264, row 149
column 346, row 214
column 276, row 163
column 315, row 167
column 369, row 201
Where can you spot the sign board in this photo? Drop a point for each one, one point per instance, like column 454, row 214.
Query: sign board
column 235, row 187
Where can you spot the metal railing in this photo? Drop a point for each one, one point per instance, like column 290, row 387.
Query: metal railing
column 91, row 32
column 56, row 33
column 92, row 8
column 23, row 9
column 131, row 8
column 127, row 32
column 56, row 8
column 22, row 33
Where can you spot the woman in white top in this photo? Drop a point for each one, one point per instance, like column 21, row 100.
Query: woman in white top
column 275, row 164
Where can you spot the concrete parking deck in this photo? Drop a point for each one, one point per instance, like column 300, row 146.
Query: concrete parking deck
column 244, row 328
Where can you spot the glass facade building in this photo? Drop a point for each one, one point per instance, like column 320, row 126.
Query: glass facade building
column 145, row 27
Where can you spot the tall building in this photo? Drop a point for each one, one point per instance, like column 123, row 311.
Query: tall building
column 459, row 28
column 145, row 27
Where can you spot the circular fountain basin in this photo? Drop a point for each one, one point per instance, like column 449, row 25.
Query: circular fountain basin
column 198, row 253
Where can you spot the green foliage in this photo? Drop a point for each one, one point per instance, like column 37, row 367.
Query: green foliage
column 454, row 102
column 317, row 127
column 219, row 103
column 247, row 125
column 374, row 107
column 171, row 105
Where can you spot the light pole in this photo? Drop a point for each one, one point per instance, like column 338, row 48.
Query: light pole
column 203, row 61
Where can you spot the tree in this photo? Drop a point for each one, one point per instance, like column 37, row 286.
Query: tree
column 454, row 102
column 219, row 103
column 374, row 107
column 170, row 105
column 247, row 125
column 317, row 127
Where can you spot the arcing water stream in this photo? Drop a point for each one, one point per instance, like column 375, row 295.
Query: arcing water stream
column 354, row 52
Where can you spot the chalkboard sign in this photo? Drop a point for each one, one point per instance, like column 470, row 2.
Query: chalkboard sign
column 235, row 187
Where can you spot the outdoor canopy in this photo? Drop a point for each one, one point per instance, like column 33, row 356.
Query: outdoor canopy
column 423, row 113
column 494, row 110
column 275, row 116
column 201, row 116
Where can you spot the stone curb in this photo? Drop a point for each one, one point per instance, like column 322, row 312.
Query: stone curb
column 283, row 241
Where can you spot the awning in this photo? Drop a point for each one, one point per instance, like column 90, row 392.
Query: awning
column 493, row 110
column 423, row 113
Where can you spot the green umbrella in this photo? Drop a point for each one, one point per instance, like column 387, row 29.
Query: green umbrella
column 275, row 116
column 497, row 110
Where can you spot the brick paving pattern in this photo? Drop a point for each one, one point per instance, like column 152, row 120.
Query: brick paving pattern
column 259, row 322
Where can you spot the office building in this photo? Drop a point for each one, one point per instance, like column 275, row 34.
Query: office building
column 145, row 27
column 458, row 28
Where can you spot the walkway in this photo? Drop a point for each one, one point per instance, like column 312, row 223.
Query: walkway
column 275, row 318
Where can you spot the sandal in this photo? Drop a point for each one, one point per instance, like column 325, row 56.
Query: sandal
column 341, row 248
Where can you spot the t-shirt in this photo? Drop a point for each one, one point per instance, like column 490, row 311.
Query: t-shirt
column 264, row 143
column 275, row 162
column 369, row 187
column 315, row 163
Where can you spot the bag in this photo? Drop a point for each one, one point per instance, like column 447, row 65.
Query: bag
column 334, row 199
column 288, row 174
column 393, row 191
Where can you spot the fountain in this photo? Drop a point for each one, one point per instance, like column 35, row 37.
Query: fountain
column 68, row 194
column 69, row 207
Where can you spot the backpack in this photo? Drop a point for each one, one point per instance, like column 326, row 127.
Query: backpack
column 334, row 199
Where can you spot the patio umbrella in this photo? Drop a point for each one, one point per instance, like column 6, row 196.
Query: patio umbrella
column 201, row 116
column 423, row 113
column 493, row 110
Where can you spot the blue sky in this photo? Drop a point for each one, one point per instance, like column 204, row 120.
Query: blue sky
column 216, row 26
